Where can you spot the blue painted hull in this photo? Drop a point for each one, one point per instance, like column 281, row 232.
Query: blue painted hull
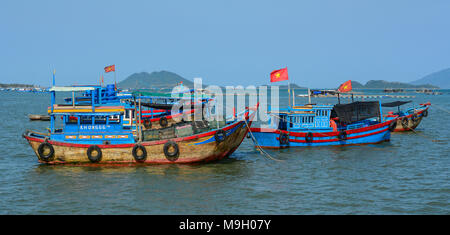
column 270, row 138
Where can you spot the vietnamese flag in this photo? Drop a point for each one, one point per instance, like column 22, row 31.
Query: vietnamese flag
column 279, row 75
column 345, row 87
column 111, row 68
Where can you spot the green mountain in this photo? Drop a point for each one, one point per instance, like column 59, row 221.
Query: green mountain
column 356, row 85
column 162, row 79
column 381, row 84
column 440, row 78
column 293, row 86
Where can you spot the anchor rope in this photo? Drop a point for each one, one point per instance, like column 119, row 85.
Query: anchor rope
column 422, row 135
column 258, row 147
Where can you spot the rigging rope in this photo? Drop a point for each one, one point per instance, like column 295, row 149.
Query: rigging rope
column 258, row 147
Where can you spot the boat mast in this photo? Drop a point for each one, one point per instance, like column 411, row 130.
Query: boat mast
column 52, row 118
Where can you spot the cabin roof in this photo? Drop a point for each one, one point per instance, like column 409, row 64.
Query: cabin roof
column 71, row 88
column 86, row 109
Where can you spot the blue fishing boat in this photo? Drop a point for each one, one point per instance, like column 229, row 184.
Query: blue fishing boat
column 321, row 125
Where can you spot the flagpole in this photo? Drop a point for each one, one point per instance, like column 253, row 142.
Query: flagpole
column 115, row 83
column 289, row 91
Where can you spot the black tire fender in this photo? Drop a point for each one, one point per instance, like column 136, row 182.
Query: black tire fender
column 309, row 137
column 94, row 158
column 142, row 157
column 220, row 136
column 147, row 124
column 393, row 125
column 342, row 135
column 163, row 122
column 46, row 157
column 171, row 156
column 284, row 138
column 405, row 122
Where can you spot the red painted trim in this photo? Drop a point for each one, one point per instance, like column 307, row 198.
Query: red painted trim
column 282, row 147
column 334, row 140
column 322, row 134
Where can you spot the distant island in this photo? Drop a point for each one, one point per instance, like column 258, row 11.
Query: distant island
column 162, row 79
column 15, row 85
column 381, row 84
column 167, row 80
column 440, row 78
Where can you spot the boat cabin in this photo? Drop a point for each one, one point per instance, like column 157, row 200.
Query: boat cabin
column 301, row 118
column 93, row 124
column 326, row 118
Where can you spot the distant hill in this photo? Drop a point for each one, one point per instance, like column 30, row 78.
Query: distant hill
column 381, row 84
column 15, row 85
column 440, row 78
column 293, row 86
column 357, row 85
column 162, row 79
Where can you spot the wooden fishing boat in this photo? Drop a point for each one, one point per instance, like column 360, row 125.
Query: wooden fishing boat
column 322, row 125
column 38, row 117
column 409, row 119
column 96, row 134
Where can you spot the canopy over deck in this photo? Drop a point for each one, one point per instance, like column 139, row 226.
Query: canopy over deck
column 395, row 103
column 356, row 111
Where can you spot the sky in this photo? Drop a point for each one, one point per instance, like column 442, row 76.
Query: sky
column 323, row 43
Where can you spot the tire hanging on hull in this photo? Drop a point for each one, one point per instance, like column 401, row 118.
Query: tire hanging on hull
column 46, row 156
column 94, row 158
column 171, row 155
column 139, row 157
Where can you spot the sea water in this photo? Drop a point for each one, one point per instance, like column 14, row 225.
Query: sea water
column 408, row 175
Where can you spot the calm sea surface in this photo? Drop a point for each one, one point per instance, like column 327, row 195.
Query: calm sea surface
column 408, row 175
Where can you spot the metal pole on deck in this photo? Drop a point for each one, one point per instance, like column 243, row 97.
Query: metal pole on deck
column 289, row 91
column 52, row 117
column 309, row 96
column 140, row 126
column 135, row 113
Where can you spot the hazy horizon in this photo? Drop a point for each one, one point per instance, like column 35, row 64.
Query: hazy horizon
column 224, row 42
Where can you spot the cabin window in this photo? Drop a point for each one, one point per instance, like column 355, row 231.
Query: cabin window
column 100, row 120
column 86, row 120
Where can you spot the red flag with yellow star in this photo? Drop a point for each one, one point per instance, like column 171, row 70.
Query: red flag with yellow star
column 345, row 87
column 110, row 68
column 279, row 75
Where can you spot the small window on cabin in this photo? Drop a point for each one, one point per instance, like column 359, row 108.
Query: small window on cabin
column 114, row 119
column 100, row 120
column 127, row 114
column 86, row 120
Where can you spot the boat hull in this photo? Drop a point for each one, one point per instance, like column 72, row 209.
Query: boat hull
column 412, row 124
column 270, row 138
column 192, row 149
